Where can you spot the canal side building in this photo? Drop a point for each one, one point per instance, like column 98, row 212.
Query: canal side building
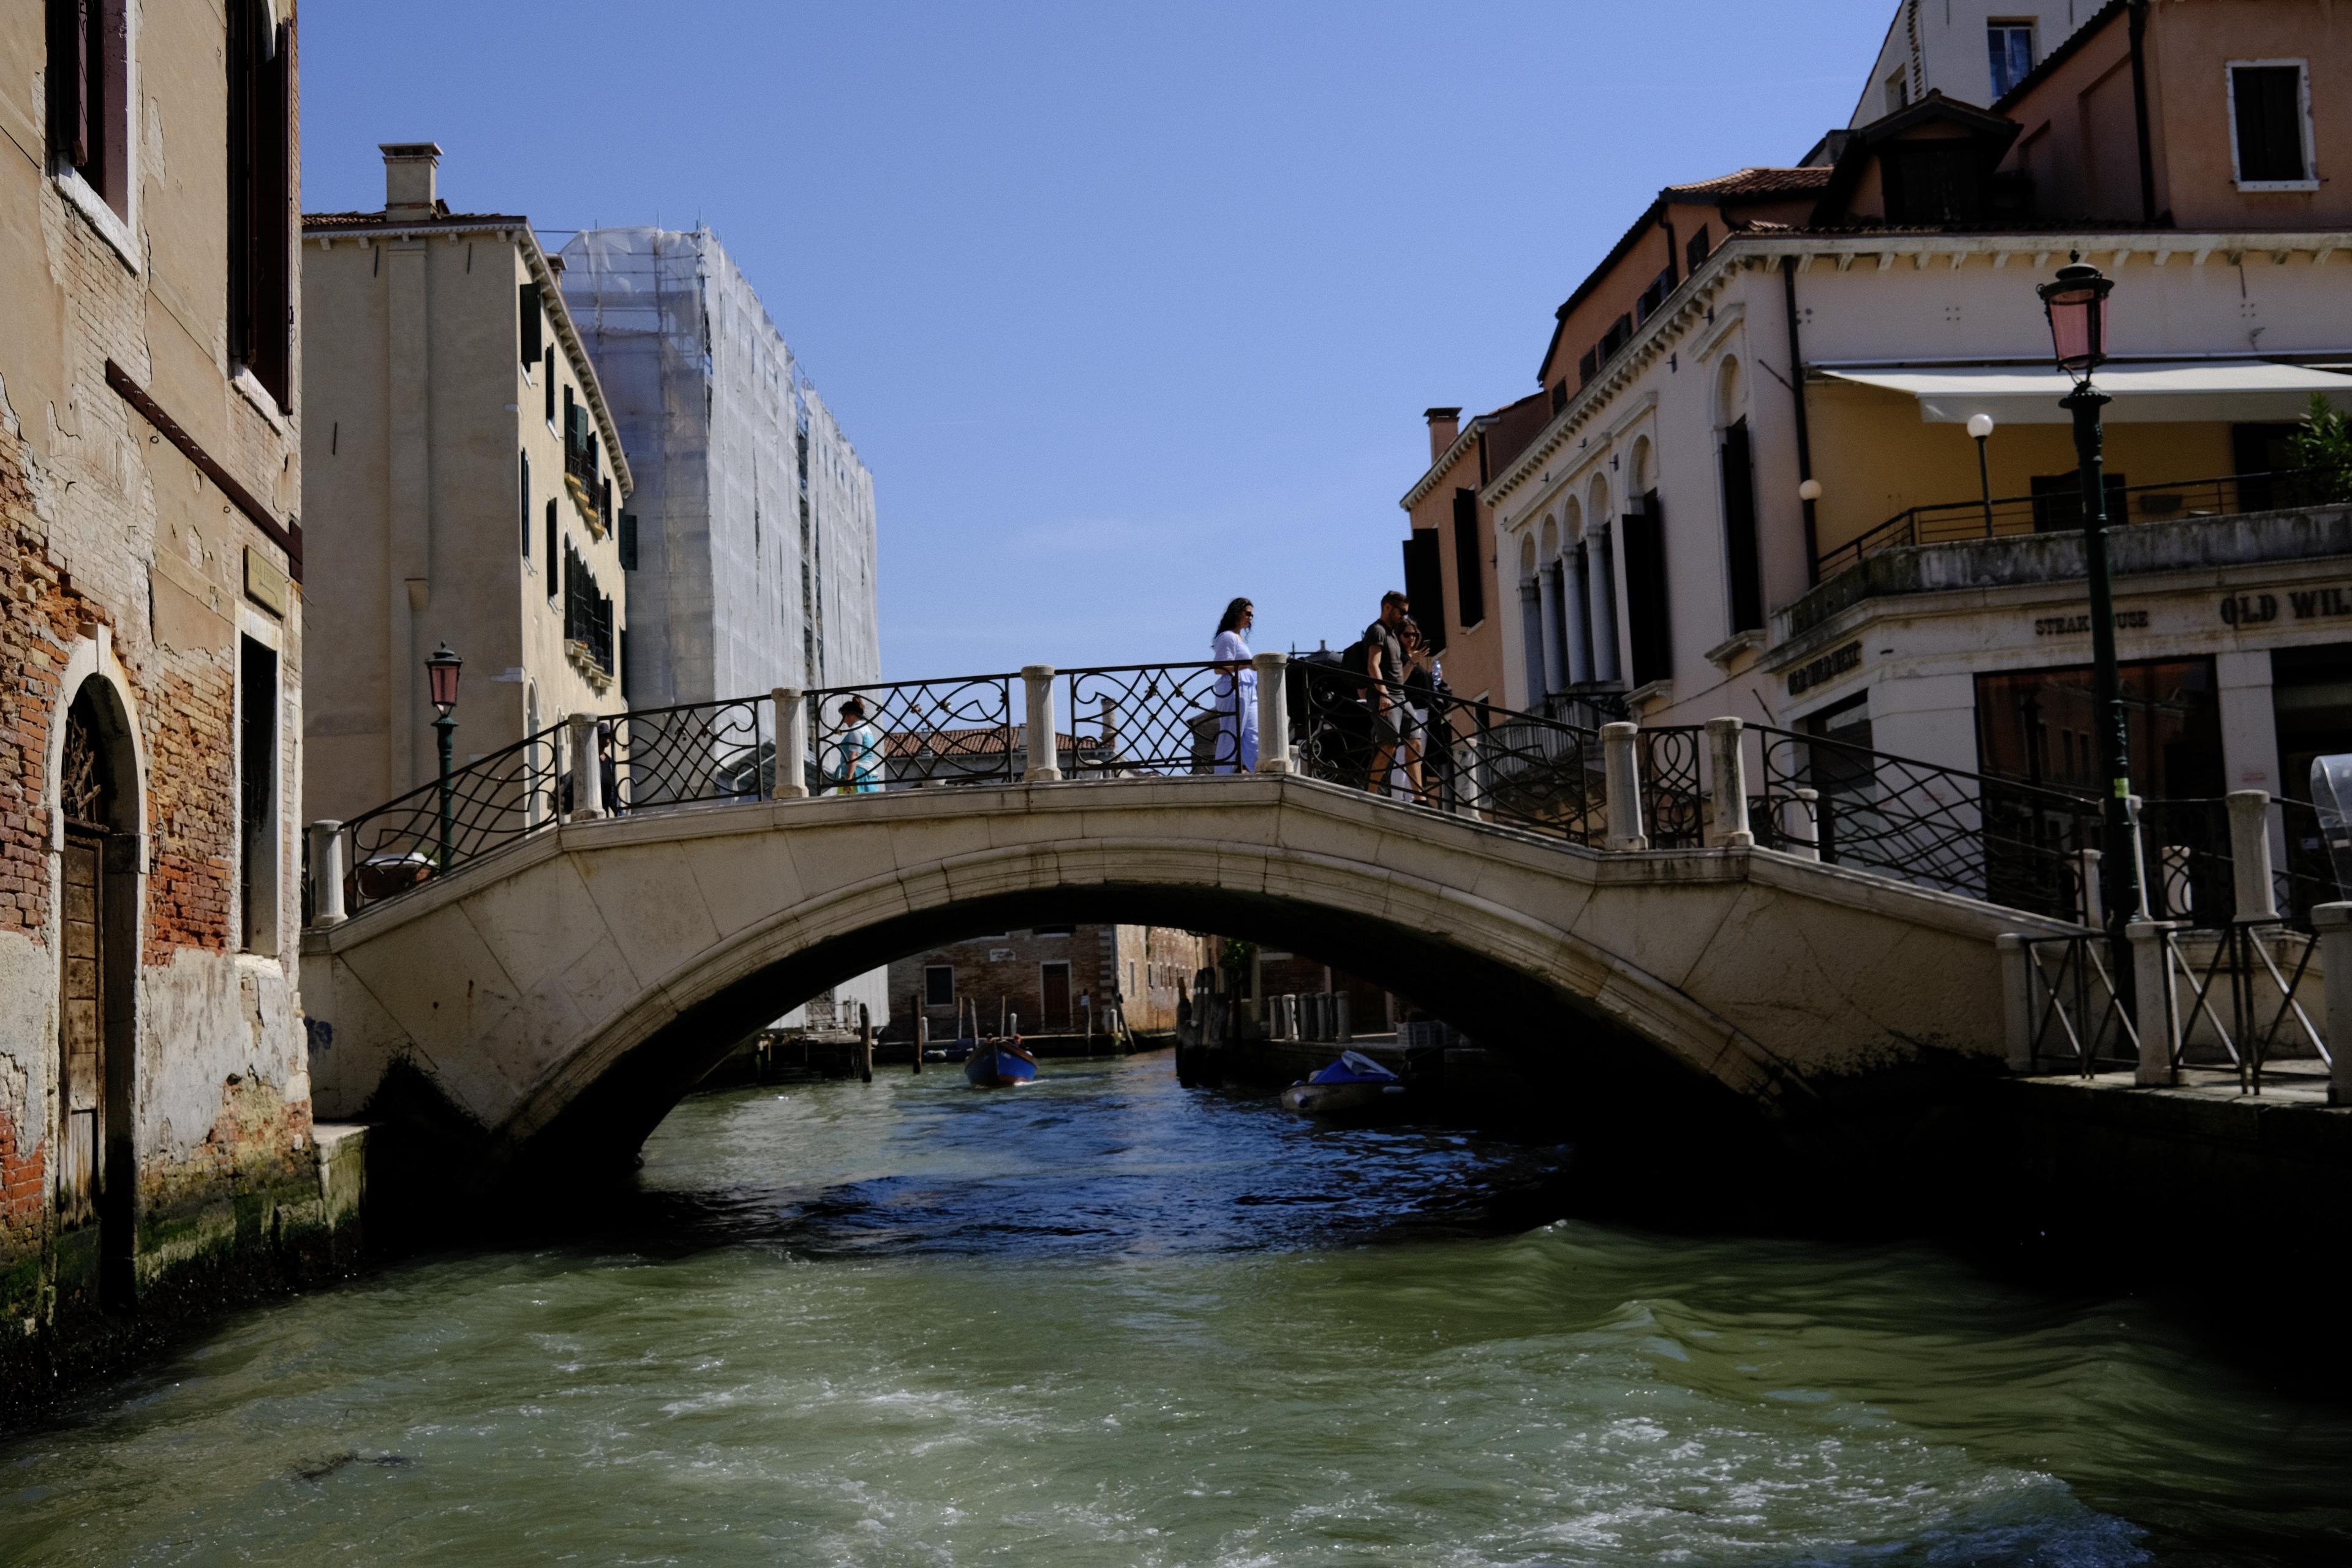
column 469, row 486
column 751, row 558
column 154, row 1100
column 1762, row 469
column 1052, row 978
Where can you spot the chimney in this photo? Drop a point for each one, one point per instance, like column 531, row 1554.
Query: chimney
column 408, row 170
column 1444, row 424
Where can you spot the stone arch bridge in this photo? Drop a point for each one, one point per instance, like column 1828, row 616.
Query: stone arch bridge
column 541, row 1008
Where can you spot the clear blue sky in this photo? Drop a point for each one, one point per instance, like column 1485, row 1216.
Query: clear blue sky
column 1128, row 308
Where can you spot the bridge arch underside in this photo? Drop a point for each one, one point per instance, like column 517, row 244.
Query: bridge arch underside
column 557, row 1000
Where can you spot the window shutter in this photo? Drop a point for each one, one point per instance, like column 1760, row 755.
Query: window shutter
column 1695, row 251
column 273, row 314
column 2269, row 103
column 554, row 533
column 529, row 318
column 1469, row 563
column 1739, row 542
column 68, row 78
column 109, row 86
column 1424, row 583
column 524, row 479
column 628, row 542
column 549, row 378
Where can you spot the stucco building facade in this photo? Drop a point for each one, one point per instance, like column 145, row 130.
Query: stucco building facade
column 469, row 486
column 1050, row 977
column 154, row 1097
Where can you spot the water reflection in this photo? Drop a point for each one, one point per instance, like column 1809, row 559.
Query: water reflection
column 1104, row 1321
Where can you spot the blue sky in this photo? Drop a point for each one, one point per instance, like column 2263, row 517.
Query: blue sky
column 1128, row 308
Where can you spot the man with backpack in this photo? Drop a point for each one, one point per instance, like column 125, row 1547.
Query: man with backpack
column 1384, row 673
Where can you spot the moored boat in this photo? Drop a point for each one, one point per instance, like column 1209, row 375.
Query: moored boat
column 1354, row 1086
column 1000, row 1064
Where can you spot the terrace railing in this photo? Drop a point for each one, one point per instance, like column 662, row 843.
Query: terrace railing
column 2060, row 507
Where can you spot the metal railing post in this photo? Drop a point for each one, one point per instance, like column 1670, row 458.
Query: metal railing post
column 2333, row 923
column 2249, row 855
column 1622, row 768
column 1044, row 737
column 587, row 769
column 791, row 743
column 1727, row 825
column 327, row 873
column 2017, row 998
column 2152, row 987
column 1273, row 712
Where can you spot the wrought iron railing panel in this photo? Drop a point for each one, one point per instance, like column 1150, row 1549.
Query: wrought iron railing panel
column 912, row 734
column 690, row 753
column 2248, row 999
column 2075, row 1016
column 1126, row 720
column 1674, row 798
column 2008, row 844
column 493, row 801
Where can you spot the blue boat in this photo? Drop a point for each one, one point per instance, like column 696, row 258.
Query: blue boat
column 1353, row 1086
column 1000, row 1064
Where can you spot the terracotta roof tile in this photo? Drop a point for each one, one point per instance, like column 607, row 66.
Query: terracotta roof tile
column 1757, row 183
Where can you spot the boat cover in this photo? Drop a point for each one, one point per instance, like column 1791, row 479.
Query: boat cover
column 1354, row 1066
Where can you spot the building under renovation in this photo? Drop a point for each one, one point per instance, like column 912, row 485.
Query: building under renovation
column 752, row 564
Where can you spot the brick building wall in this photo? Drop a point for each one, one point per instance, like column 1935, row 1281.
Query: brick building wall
column 130, row 572
column 1142, row 969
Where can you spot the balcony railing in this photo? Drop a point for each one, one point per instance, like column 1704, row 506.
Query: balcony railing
column 2060, row 509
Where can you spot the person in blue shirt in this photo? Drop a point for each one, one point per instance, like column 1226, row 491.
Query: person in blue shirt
column 859, row 771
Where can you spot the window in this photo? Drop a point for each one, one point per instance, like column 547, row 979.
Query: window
column 1696, row 250
column 1739, row 542
column 260, row 277
column 257, row 758
column 1588, row 366
column 1620, row 333
column 2010, row 45
column 587, row 611
column 2041, row 727
column 554, row 533
column 1654, row 295
column 1898, row 91
column 1649, row 631
column 2270, row 125
column 523, row 483
column 532, row 318
column 1933, row 183
column 1558, row 395
column 1469, row 565
column 938, row 985
column 89, row 107
column 628, row 542
column 548, row 390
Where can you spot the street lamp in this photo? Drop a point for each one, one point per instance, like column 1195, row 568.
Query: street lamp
column 1980, row 426
column 441, row 677
column 2077, row 303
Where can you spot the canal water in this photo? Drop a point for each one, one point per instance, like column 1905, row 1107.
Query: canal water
column 1103, row 1320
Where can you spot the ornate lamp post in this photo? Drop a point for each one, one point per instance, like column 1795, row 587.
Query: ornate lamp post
column 2077, row 303
column 441, row 674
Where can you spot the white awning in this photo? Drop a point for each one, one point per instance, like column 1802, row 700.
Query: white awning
column 2172, row 391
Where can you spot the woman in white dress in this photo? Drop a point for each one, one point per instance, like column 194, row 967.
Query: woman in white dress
column 1236, row 691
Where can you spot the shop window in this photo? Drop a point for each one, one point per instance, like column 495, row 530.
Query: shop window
column 2041, row 727
column 938, row 985
column 2270, row 125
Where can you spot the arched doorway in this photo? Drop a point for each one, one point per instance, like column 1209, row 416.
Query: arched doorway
column 98, row 888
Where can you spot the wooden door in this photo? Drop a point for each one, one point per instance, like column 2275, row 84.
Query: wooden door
column 82, row 1028
column 1056, row 998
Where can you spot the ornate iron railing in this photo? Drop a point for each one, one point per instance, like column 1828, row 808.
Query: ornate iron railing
column 1128, row 719
column 912, row 734
column 493, row 801
column 2012, row 843
column 691, row 752
column 2191, row 868
column 2060, row 509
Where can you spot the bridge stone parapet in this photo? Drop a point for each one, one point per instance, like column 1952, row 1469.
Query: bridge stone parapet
column 542, row 1012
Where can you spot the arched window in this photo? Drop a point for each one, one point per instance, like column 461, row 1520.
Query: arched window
column 1551, row 545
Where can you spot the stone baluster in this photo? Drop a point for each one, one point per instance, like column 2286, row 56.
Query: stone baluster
column 2017, row 998
column 1273, row 712
column 2157, row 1011
column 1045, row 738
column 587, row 769
column 1622, row 770
column 1728, row 786
column 791, row 743
column 327, row 873
column 2093, row 891
column 2249, row 855
column 2333, row 923
column 1801, row 832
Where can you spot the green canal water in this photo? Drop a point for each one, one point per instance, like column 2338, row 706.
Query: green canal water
column 1103, row 1320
